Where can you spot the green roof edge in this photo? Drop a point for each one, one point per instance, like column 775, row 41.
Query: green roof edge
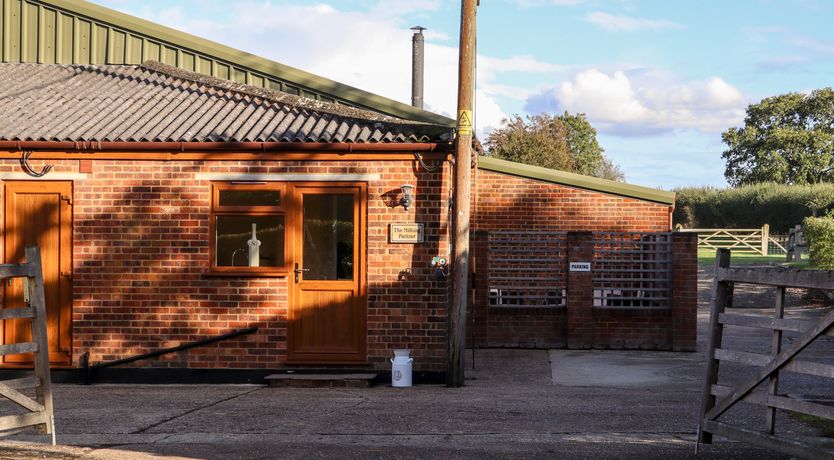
column 576, row 180
column 254, row 62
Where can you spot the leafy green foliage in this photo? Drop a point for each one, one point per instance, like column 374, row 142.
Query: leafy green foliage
column 819, row 232
column 564, row 142
column 780, row 206
column 788, row 139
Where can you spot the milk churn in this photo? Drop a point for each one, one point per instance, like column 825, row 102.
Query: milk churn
column 401, row 368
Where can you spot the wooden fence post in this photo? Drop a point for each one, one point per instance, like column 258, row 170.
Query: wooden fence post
column 765, row 238
column 720, row 294
column 775, row 349
column 44, row 391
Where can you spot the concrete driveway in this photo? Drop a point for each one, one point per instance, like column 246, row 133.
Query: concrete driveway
column 517, row 404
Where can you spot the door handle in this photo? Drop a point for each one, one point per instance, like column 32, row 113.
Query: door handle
column 299, row 271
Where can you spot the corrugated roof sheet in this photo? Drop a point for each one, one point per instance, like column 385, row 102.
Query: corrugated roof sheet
column 159, row 103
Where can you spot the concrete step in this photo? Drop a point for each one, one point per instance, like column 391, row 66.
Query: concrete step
column 358, row 380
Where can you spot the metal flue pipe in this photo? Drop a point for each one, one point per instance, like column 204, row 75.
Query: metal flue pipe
column 417, row 46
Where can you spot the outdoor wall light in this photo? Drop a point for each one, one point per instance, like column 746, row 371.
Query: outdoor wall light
column 407, row 198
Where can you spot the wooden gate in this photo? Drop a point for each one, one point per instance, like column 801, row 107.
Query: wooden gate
column 741, row 240
column 39, row 410
column 718, row 399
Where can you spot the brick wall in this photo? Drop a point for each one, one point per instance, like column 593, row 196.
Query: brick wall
column 684, row 292
column 141, row 249
column 504, row 202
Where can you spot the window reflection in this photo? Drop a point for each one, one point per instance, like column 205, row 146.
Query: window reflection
column 328, row 237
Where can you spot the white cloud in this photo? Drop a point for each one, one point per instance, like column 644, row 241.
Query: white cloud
column 798, row 40
column 609, row 98
column 522, row 64
column 519, row 93
column 812, row 44
column 488, row 113
column 530, row 3
column 644, row 103
column 397, row 8
column 781, row 63
column 616, row 23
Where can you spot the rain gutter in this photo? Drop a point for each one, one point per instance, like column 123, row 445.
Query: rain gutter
column 225, row 146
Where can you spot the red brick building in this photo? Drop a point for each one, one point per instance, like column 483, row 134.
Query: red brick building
column 160, row 177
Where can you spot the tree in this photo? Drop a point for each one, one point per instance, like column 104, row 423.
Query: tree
column 787, row 139
column 606, row 169
column 565, row 142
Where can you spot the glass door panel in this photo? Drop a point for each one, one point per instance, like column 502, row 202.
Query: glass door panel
column 328, row 234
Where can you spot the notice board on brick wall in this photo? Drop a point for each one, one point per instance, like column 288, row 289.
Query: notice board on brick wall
column 402, row 232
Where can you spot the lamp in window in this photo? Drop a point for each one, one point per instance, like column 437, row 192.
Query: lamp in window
column 408, row 195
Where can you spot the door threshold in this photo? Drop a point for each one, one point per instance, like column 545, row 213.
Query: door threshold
column 324, row 365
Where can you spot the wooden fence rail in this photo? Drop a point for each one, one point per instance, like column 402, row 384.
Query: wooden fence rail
column 784, row 357
column 742, row 240
column 40, row 412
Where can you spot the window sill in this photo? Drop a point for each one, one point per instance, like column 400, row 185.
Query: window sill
column 247, row 274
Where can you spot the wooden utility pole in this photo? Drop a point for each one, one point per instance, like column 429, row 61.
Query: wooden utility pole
column 463, row 172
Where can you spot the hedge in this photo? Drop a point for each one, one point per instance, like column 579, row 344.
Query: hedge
column 781, row 206
column 819, row 233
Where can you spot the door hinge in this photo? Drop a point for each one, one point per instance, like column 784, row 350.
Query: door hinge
column 67, row 274
column 67, row 198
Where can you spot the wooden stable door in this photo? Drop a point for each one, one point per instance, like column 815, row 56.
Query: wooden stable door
column 327, row 274
column 40, row 212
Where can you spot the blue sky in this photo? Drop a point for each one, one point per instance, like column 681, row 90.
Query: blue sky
column 660, row 80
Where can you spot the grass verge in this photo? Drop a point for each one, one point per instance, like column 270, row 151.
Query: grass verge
column 707, row 256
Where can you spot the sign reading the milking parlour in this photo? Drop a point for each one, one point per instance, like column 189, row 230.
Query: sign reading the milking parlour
column 401, row 232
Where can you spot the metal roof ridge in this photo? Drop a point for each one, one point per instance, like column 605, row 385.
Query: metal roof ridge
column 234, row 56
column 595, row 184
column 280, row 97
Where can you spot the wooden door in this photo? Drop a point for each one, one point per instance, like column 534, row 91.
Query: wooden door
column 327, row 274
column 40, row 212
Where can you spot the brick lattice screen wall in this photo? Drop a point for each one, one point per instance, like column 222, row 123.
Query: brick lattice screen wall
column 509, row 203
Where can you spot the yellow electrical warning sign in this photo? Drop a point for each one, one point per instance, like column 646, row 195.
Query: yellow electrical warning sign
column 465, row 122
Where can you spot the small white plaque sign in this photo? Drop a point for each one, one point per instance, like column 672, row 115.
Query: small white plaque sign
column 580, row 266
column 400, row 232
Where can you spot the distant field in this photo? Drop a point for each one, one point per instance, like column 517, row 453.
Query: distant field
column 707, row 256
